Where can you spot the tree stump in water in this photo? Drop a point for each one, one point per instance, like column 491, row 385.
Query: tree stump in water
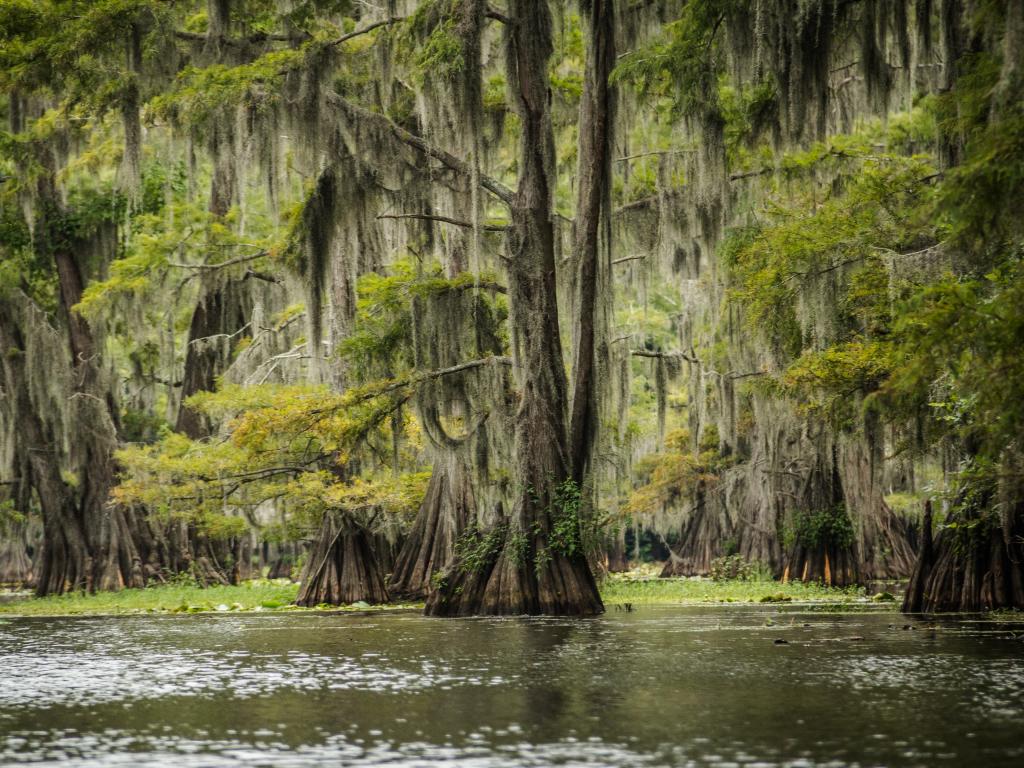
column 342, row 566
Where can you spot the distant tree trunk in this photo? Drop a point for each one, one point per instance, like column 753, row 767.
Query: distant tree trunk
column 130, row 173
column 15, row 564
column 342, row 566
column 702, row 539
column 524, row 573
column 829, row 559
column 618, row 556
column 224, row 306
column 222, row 311
column 913, row 598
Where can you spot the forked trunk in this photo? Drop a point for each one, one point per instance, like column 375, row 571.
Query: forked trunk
column 518, row 566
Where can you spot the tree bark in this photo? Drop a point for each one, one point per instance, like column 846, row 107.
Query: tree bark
column 593, row 209
column 65, row 561
column 446, row 512
column 983, row 572
column 222, row 311
column 342, row 566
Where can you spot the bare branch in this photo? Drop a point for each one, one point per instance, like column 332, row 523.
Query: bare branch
column 649, row 153
column 354, row 112
column 667, row 355
column 219, row 265
column 368, row 28
column 494, row 13
column 431, row 375
column 445, row 219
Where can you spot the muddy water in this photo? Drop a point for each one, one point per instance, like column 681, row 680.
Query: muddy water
column 659, row 686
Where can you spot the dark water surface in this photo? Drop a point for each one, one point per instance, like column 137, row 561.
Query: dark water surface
column 659, row 686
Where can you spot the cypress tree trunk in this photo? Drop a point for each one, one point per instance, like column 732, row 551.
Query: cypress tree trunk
column 593, row 210
column 222, row 311
column 446, row 512
column 87, row 542
column 518, row 570
column 342, row 566
column 65, row 562
column 974, row 573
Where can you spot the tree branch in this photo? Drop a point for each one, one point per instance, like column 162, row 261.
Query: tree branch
column 436, row 374
column 219, row 265
column 368, row 28
column 260, row 37
column 356, row 113
column 650, row 353
column 445, row 219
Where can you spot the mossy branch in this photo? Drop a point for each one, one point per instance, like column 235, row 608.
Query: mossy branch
column 444, row 219
column 418, row 143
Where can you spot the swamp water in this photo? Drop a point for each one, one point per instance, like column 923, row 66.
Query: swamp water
column 658, row 686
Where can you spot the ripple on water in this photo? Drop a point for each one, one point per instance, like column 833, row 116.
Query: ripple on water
column 657, row 687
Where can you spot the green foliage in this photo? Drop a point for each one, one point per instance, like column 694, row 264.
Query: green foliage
column 621, row 589
column 819, row 529
column 680, row 65
column 382, row 339
column 973, row 507
column 438, row 32
column 477, row 549
column 9, row 516
column 566, row 525
column 735, row 568
column 287, row 443
column 202, row 94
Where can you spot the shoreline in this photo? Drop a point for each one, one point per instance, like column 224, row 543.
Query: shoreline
column 619, row 592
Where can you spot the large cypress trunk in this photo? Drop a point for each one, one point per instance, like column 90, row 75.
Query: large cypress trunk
column 86, row 542
column 518, row 568
column 116, row 562
column 975, row 572
column 342, row 565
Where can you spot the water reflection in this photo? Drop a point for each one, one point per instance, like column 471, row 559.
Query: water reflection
column 656, row 687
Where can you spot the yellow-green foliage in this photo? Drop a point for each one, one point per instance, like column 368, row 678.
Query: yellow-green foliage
column 283, row 443
column 669, row 476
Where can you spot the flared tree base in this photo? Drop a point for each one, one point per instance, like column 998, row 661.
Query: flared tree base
column 342, row 566
column 514, row 585
column 984, row 577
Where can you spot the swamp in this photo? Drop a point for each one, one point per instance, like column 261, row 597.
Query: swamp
column 511, row 382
